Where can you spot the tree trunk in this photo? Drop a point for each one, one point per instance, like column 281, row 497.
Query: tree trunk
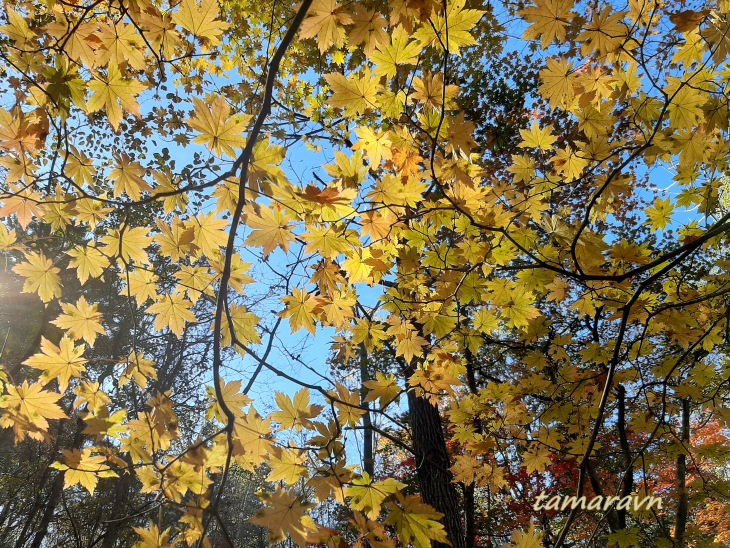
column 368, row 457
column 683, row 504
column 432, row 464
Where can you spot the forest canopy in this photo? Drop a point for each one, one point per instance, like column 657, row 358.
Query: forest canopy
column 364, row 274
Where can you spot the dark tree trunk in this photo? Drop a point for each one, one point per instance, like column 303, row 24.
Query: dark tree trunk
column 432, row 464
column 368, row 457
column 683, row 505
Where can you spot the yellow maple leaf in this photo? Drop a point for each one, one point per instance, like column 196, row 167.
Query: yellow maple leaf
column 111, row 93
column 605, row 33
column 28, row 408
column 285, row 513
column 416, row 523
column 152, row 537
column 557, row 82
column 549, row 19
column 387, row 57
column 251, row 442
column 209, row 233
column 90, row 394
column 300, row 310
column 375, row 145
column 459, row 23
column 348, row 406
column 88, row 261
column 173, row 311
column 536, row 137
column 141, row 284
column 128, row 177
column 127, row 243
column 660, row 214
column 536, row 458
column 287, row 465
column 295, row 413
column 526, row 539
column 325, row 20
column 234, row 400
column 356, row 94
column 201, row 20
column 221, row 132
column 270, row 228
column 82, row 320
column 23, row 202
column 244, row 326
column 41, row 276
column 384, row 388
column 139, row 369
column 368, row 495
column 61, row 362
column 80, row 467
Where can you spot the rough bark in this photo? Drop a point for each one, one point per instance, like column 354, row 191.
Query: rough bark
column 683, row 504
column 368, row 457
column 432, row 464
column 628, row 481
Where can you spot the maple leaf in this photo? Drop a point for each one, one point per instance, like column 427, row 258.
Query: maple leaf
column 398, row 52
column 369, row 495
column 128, row 243
column 660, row 214
column 376, row 145
column 251, row 442
column 201, row 20
column 88, row 261
column 348, row 406
column 557, row 82
column 416, row 523
column 41, row 276
column 535, row 459
column 235, row 401
column 384, row 388
column 244, row 326
column 300, row 310
column 549, row 20
column 295, row 414
column 285, row 513
column 152, row 537
column 90, row 394
column 325, row 20
column 535, row 137
column 62, row 362
column 368, row 29
column 605, row 33
column 128, row 177
column 172, row 311
column 121, row 43
column 270, row 228
column 141, row 284
column 82, row 321
column 287, row 465
column 221, row 132
column 526, row 539
column 28, row 408
column 139, row 369
column 355, row 94
column 111, row 93
column 80, row 467
column 457, row 23
column 23, row 203
column 209, row 233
